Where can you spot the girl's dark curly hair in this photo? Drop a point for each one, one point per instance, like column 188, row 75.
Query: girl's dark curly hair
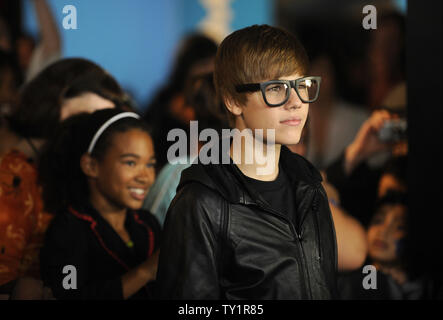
column 63, row 181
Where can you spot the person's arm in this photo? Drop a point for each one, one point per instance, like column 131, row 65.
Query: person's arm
column 366, row 142
column 189, row 259
column 351, row 240
column 350, row 234
column 351, row 164
column 50, row 36
column 49, row 47
column 138, row 277
column 146, row 272
column 350, row 174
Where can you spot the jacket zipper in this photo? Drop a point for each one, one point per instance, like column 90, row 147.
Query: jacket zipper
column 298, row 237
column 278, row 214
column 224, row 232
column 314, row 209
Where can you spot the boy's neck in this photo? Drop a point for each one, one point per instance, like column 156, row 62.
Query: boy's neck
column 252, row 170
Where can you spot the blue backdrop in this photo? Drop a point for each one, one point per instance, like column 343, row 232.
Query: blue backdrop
column 135, row 40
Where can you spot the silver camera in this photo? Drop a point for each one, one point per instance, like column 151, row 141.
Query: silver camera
column 393, row 130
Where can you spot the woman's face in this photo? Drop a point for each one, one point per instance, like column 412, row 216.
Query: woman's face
column 126, row 171
column 87, row 102
column 387, row 229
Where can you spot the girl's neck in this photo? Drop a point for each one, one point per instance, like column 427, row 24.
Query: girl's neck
column 115, row 216
column 256, row 159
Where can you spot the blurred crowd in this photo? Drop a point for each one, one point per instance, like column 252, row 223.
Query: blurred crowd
column 51, row 106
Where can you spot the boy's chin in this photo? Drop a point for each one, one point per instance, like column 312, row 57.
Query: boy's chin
column 288, row 140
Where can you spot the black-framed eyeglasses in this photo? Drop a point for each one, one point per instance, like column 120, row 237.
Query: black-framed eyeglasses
column 277, row 92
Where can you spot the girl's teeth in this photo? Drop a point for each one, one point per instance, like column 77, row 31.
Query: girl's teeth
column 138, row 191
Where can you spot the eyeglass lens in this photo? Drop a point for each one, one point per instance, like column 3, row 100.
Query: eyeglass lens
column 276, row 93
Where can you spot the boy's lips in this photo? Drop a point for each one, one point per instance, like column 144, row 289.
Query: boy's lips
column 293, row 121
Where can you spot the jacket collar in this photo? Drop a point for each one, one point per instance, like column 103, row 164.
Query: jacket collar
column 226, row 179
column 110, row 241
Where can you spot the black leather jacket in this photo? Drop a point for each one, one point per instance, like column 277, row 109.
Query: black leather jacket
column 222, row 241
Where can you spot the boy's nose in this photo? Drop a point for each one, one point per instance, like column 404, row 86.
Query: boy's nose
column 294, row 100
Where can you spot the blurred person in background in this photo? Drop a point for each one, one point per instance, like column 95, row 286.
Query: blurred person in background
column 5, row 35
column 351, row 173
column 168, row 109
column 64, row 88
column 22, row 58
column 200, row 94
column 356, row 172
column 387, row 233
column 10, row 81
column 33, row 56
column 333, row 122
column 386, row 57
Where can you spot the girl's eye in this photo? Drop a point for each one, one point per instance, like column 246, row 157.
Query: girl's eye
column 150, row 165
column 130, row 163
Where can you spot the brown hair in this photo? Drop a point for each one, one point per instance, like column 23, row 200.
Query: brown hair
column 253, row 54
column 209, row 111
column 38, row 111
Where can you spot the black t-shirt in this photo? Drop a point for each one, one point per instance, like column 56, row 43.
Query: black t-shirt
column 278, row 193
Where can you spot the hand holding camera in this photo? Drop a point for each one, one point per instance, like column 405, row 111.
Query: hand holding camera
column 393, row 131
column 377, row 134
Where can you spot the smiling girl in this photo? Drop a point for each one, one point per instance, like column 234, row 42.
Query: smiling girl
column 95, row 174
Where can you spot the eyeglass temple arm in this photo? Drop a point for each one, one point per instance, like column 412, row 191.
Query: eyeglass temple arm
column 247, row 87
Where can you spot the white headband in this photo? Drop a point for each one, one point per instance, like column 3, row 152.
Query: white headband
column 107, row 124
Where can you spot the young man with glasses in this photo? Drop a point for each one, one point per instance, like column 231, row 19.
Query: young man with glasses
column 231, row 232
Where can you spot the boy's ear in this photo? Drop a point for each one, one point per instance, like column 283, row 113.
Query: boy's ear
column 233, row 106
column 89, row 166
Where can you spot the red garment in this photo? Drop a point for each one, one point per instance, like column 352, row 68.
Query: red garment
column 22, row 220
